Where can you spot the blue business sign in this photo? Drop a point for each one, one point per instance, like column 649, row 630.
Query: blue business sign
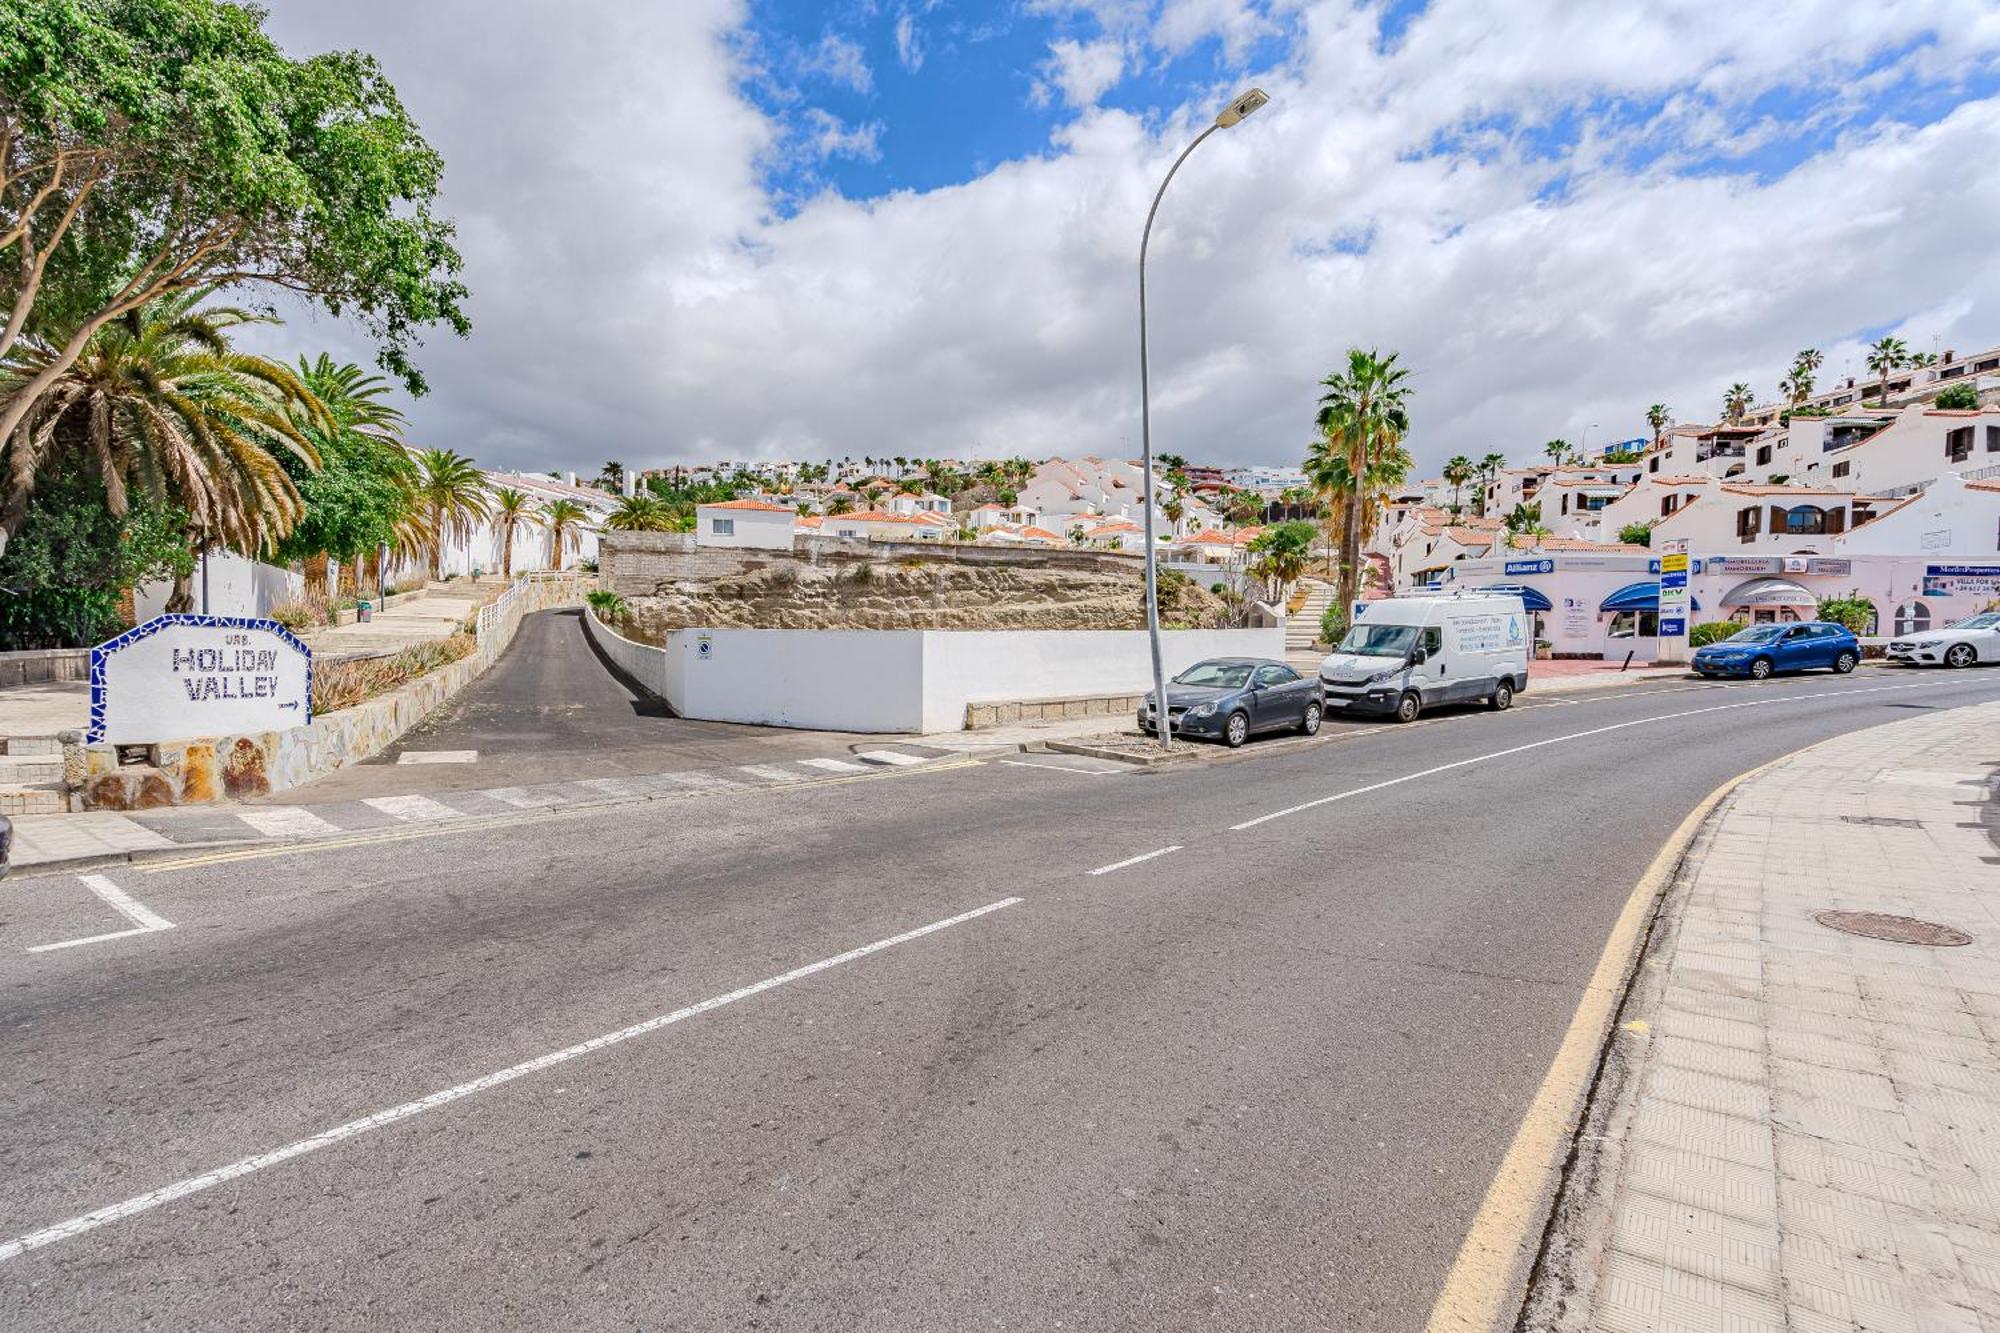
column 1672, row 627
column 1543, row 566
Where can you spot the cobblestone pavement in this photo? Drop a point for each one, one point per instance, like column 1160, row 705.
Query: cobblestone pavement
column 1809, row 1136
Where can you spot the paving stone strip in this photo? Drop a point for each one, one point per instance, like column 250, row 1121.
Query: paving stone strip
column 43, row 839
column 1808, row 1136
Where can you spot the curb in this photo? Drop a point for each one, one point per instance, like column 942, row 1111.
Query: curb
column 1488, row 1284
column 1154, row 760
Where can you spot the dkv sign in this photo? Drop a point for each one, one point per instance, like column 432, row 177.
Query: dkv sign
column 178, row 677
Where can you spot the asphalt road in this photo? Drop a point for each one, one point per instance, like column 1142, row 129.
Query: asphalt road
column 551, row 709
column 1258, row 1082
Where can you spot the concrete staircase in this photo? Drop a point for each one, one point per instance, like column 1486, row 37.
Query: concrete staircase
column 1302, row 627
column 31, row 770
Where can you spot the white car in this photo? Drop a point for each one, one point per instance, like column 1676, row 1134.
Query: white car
column 1976, row 639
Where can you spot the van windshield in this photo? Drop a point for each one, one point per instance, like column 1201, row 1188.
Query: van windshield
column 1379, row 640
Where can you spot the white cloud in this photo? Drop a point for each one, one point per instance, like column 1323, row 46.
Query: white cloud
column 830, row 136
column 909, row 43
column 639, row 297
column 1081, row 72
column 839, row 59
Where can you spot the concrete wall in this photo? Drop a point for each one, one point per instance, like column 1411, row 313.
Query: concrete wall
column 900, row 680
column 36, row 666
column 237, row 586
column 635, row 564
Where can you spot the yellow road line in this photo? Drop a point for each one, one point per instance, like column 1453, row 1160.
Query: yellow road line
column 444, row 828
column 1483, row 1291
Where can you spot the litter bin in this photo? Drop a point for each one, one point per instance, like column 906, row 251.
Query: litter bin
column 364, row 610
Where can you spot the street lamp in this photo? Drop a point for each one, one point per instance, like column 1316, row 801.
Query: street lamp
column 1229, row 115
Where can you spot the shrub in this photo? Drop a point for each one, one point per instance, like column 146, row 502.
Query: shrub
column 1854, row 611
column 300, row 612
column 1333, row 623
column 1711, row 631
column 609, row 606
column 1958, row 398
column 1636, row 534
column 341, row 685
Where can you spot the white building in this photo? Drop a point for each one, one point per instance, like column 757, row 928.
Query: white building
column 757, row 523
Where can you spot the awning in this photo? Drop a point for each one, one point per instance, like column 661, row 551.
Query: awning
column 1532, row 599
column 1770, row 592
column 1641, row 597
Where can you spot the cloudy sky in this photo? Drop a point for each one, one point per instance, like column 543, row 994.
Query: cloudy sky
column 704, row 229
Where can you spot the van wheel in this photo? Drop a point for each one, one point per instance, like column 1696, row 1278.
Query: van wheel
column 1843, row 664
column 1310, row 724
column 1503, row 696
column 1236, row 731
column 1760, row 669
column 1408, row 707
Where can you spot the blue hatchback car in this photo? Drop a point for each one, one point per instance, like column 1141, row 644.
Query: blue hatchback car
column 1762, row 650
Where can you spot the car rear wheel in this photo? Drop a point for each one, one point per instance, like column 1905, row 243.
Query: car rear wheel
column 1760, row 669
column 1310, row 723
column 1408, row 707
column 1960, row 655
column 1844, row 663
column 1236, row 730
column 1503, row 696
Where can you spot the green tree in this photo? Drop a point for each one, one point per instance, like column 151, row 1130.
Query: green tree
column 1636, row 534
column 1282, row 553
column 564, row 519
column 1363, row 418
column 1458, row 470
column 1557, row 450
column 61, row 579
column 1886, row 356
column 164, row 146
column 1525, row 518
column 1958, row 398
column 640, row 513
column 451, row 497
column 512, row 510
column 354, row 500
column 1854, row 611
column 1659, row 418
column 1738, row 399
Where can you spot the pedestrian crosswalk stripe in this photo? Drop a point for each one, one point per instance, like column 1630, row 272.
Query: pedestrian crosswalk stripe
column 888, row 757
column 286, row 821
column 772, row 773
column 411, row 807
column 517, row 796
column 708, row 780
column 835, row 765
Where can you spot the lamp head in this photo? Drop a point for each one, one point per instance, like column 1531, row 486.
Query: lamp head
column 1241, row 107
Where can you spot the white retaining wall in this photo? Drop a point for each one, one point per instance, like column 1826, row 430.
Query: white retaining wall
column 901, row 680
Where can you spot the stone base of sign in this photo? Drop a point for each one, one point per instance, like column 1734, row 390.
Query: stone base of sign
column 216, row 768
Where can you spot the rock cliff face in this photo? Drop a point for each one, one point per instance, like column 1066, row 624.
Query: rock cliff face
column 899, row 594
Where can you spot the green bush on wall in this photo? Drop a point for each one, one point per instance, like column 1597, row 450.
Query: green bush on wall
column 1711, row 631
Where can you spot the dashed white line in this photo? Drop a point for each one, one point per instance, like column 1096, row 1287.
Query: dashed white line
column 285, row 821
column 1062, row 768
column 414, row 808
column 1556, row 740
column 1135, row 860
column 90, row 1221
column 143, row 918
column 771, row 773
column 835, row 765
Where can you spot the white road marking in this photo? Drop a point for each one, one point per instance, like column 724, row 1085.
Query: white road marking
column 771, row 773
column 1134, row 860
column 888, row 757
column 835, row 765
column 411, row 807
column 438, row 757
column 1062, row 768
column 285, row 821
column 515, row 796
column 144, row 919
column 706, row 781
column 77, row 1226
column 1555, row 740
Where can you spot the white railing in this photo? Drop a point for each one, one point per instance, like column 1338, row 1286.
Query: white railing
column 542, row 587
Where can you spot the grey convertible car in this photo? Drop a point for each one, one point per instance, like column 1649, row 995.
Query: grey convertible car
column 1231, row 699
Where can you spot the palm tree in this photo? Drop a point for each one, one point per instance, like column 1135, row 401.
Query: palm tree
column 160, row 402
column 840, row 504
column 1363, row 416
column 451, row 497
column 1886, row 357
column 1458, row 470
column 352, row 397
column 1659, row 418
column 511, row 509
column 1737, row 400
column 1923, row 360
column 1557, row 450
column 562, row 518
column 910, row 486
column 1174, row 508
column 1797, row 386
column 640, row 513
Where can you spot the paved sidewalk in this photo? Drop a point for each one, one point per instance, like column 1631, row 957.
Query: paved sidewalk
column 1803, row 1127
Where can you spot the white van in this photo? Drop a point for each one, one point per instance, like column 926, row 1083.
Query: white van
column 1405, row 654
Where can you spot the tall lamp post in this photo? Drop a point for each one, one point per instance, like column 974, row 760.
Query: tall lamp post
column 1230, row 115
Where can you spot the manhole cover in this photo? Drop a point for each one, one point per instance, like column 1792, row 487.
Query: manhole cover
column 1895, row 929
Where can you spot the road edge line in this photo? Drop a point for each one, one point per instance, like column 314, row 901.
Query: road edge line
column 1488, row 1278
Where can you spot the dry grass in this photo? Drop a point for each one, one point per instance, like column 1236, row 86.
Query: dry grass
column 345, row 684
